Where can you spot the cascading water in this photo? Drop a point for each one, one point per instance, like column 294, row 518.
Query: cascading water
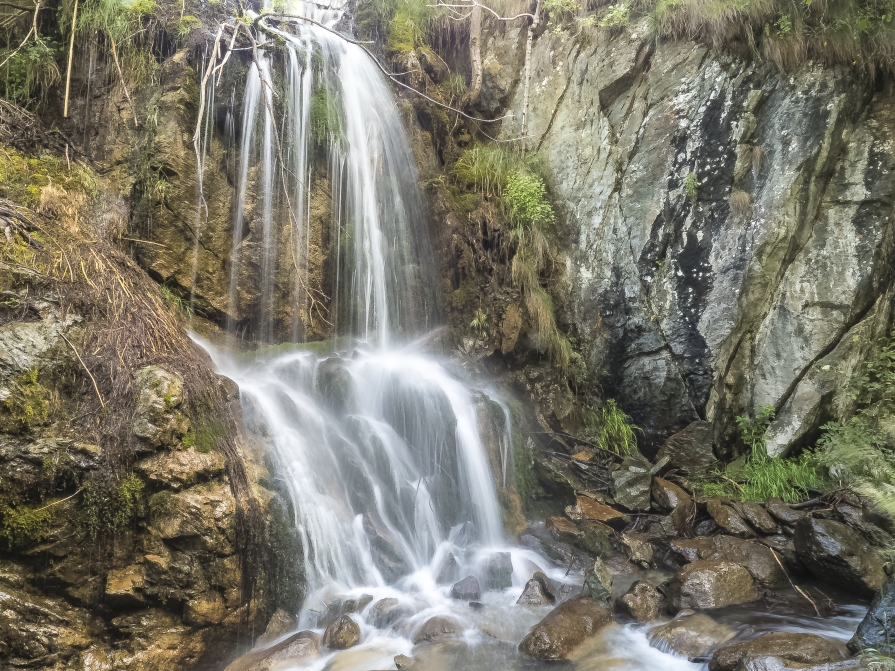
column 379, row 443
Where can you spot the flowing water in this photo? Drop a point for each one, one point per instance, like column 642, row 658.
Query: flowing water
column 380, row 442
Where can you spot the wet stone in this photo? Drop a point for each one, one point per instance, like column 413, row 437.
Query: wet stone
column 800, row 648
column 281, row 623
column 534, row 594
column 728, row 519
column 341, row 634
column 564, row 628
column 499, row 571
column 690, row 635
column 450, row 571
column 598, row 582
column 836, row 554
column 711, row 584
column 467, row 589
column 782, row 512
column 642, row 601
column 436, row 628
column 758, row 517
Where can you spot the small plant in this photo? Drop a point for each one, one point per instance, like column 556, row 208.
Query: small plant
column 456, row 84
column 479, row 323
column 691, row 186
column 616, row 15
column 753, row 430
column 611, row 428
column 561, row 6
column 29, row 402
column 783, row 25
column 108, row 506
column 525, row 198
column 175, row 300
column 24, row 525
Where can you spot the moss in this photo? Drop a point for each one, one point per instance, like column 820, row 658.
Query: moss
column 24, row 525
column 108, row 506
column 160, row 503
column 22, row 177
column 401, row 38
column 204, row 438
column 29, row 402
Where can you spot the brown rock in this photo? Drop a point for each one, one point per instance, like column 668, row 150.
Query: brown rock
column 124, row 587
column 298, row 646
column 691, row 635
column 690, row 449
column 839, row 555
column 785, row 645
column 637, row 549
column 756, row 558
column 564, row 628
column 711, row 584
column 561, row 528
column 535, row 593
column 204, row 611
column 669, row 496
column 728, row 519
column 588, row 509
column 281, row 623
column 341, row 634
column 436, row 628
column 758, row 517
column 180, row 469
column 642, row 601
column 782, row 512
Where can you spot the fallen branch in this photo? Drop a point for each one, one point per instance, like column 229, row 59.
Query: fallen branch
column 794, row 586
column 123, row 85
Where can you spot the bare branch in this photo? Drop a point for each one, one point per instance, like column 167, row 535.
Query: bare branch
column 472, row 4
column 71, row 51
column 123, row 85
column 33, row 29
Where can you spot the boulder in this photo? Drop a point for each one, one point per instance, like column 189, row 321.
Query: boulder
column 298, row 646
column 499, row 571
column 467, row 589
column 588, row 509
column 838, row 555
column 786, row 646
column 341, row 634
column 564, row 628
column 157, row 419
column 124, row 587
column 403, row 661
column 281, row 623
column 782, row 512
column 386, row 612
column 631, row 483
column 637, row 549
column 728, row 519
column 669, row 496
column 691, row 635
column 436, row 628
column 756, row 558
column 642, row 601
column 690, row 449
column 711, row 584
column 537, row 592
column 597, row 582
column 562, row 529
column 875, row 630
column 758, row 517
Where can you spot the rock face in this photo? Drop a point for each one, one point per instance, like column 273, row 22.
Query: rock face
column 784, row 646
column 710, row 584
column 642, row 601
column 342, row 633
column 567, row 626
column 698, row 305
column 836, row 554
column 692, row 635
column 875, row 630
column 756, row 558
column 157, row 419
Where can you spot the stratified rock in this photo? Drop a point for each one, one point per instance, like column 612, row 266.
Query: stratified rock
column 157, row 419
column 785, row 646
column 298, row 646
column 691, row 635
column 588, row 509
column 728, row 519
column 280, row 624
column 562, row 529
column 756, row 558
column 341, row 634
column 690, row 449
column 755, row 515
column 875, row 630
column 200, row 518
column 499, row 571
column 467, row 589
column 597, row 582
column 631, row 483
column 564, row 628
column 711, row 584
column 535, row 594
column 205, row 610
column 642, row 601
column 782, row 512
column 436, row 628
column 838, row 555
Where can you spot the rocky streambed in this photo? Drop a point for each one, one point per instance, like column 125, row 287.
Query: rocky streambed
column 667, row 580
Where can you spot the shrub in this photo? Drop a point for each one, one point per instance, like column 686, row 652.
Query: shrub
column 525, row 198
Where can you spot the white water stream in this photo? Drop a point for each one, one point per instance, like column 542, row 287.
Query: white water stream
column 379, row 444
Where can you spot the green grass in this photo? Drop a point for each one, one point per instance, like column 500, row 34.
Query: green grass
column 611, row 429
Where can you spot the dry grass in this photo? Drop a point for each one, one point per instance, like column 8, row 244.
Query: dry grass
column 740, row 204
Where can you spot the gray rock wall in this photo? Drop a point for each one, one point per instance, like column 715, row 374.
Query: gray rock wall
column 688, row 309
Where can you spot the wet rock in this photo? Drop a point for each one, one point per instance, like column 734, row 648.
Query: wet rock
column 206, row 610
column 596, row 538
column 690, row 449
column 642, row 601
column 756, row 558
column 728, row 519
column 281, row 623
column 356, row 605
column 691, row 635
column 598, row 582
column 706, row 527
column 631, row 483
column 449, row 572
column 300, row 645
column 562, row 529
column 785, row 646
column 669, row 496
column 564, row 628
column 403, row 661
column 335, row 383
column 782, row 512
column 838, row 555
column 637, row 549
column 197, row 519
column 467, row 589
column 387, row 612
column 853, row 516
column 157, row 419
column 124, row 587
column 758, row 517
column 875, row 630
column 711, row 584
column 436, row 628
column 536, row 593
column 588, row 509
column 341, row 634
column 180, row 469
column 387, row 555
column 499, row 571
